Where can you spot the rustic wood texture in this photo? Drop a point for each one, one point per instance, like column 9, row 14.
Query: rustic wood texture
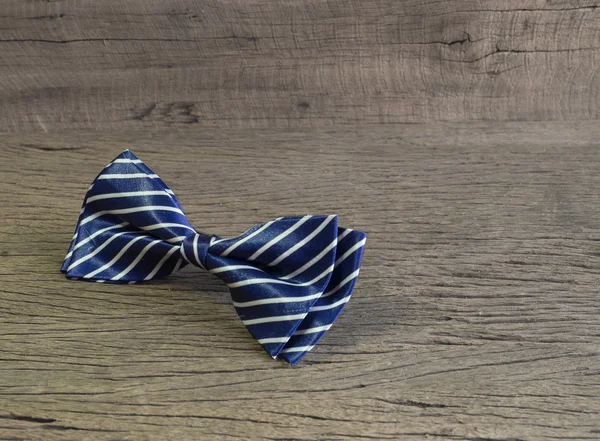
column 303, row 63
column 476, row 315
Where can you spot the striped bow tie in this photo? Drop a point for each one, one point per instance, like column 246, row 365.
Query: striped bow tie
column 289, row 278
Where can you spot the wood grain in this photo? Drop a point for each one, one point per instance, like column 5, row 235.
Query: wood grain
column 305, row 63
column 476, row 316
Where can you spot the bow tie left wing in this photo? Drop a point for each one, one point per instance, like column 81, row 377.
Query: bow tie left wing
column 130, row 226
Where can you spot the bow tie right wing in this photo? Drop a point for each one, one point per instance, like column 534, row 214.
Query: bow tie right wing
column 280, row 275
column 349, row 251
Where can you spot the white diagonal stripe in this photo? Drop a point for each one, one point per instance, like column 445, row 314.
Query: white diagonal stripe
column 178, row 265
column 312, row 330
column 223, row 269
column 93, row 236
column 303, row 241
column 162, row 262
column 115, row 259
column 332, row 291
column 96, row 251
column 272, row 242
column 333, row 305
column 127, row 161
column 126, row 176
column 263, row 341
column 176, row 239
column 250, row 236
column 298, row 349
column 274, row 319
column 350, row 251
column 130, row 210
column 127, row 194
column 278, row 281
column 165, row 225
column 136, row 260
column 276, row 300
column 182, row 248
column 312, row 261
column 260, row 281
column 319, row 256
column 195, row 246
column 345, row 233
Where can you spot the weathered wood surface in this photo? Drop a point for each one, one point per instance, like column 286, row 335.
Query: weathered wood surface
column 476, row 316
column 303, row 63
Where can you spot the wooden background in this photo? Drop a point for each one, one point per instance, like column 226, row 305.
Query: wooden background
column 461, row 135
column 115, row 64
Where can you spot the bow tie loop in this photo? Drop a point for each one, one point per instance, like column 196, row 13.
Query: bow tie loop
column 194, row 248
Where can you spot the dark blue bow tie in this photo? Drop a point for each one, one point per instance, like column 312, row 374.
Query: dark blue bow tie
column 289, row 278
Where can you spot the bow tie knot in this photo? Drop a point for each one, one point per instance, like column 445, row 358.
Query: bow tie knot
column 194, row 248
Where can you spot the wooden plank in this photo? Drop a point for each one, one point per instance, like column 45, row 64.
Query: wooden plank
column 311, row 63
column 476, row 316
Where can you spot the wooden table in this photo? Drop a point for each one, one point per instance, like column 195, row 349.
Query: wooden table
column 476, row 315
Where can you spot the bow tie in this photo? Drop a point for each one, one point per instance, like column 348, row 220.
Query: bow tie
column 289, row 278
